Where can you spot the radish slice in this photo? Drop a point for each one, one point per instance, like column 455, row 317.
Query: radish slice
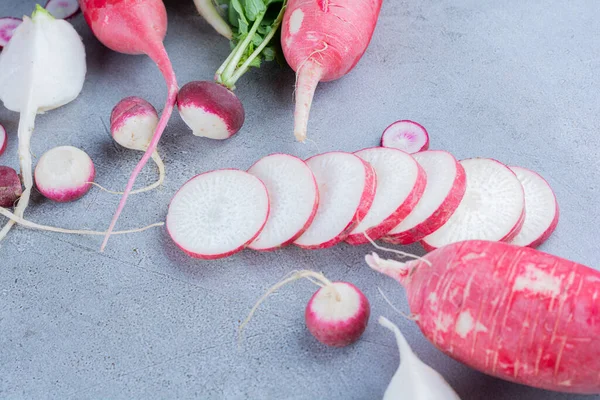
column 347, row 187
column 3, row 139
column 62, row 9
column 218, row 213
column 405, row 135
column 7, row 27
column 293, row 195
column 400, row 185
column 541, row 209
column 493, row 207
column 446, row 184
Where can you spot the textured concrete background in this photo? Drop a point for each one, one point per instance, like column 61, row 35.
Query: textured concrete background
column 514, row 80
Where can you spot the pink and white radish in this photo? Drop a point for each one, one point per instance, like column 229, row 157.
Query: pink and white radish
column 492, row 208
column 541, row 209
column 407, row 136
column 209, row 12
column 508, row 311
column 347, row 186
column 10, row 187
column 64, row 174
column 446, row 185
column 293, row 196
column 62, row 9
column 414, row 379
column 400, row 185
column 218, row 213
column 7, row 29
column 323, row 41
column 3, row 140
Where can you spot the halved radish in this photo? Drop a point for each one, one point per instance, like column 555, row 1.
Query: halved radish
column 493, row 207
column 218, row 213
column 7, row 27
column 347, row 187
column 407, row 136
column 446, row 184
column 400, row 184
column 62, row 9
column 293, row 195
column 3, row 139
column 541, row 209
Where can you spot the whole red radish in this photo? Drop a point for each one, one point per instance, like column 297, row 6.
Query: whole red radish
column 10, row 186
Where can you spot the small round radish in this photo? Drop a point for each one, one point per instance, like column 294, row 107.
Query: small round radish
column 541, row 209
column 10, row 187
column 407, row 136
column 293, row 195
column 210, row 109
column 218, row 213
column 3, row 139
column 7, row 27
column 64, row 174
column 62, row 9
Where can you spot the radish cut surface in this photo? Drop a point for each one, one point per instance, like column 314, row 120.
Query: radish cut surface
column 347, row 187
column 218, row 213
column 400, row 185
column 3, row 139
column 541, row 209
column 407, row 136
column 7, row 28
column 446, row 184
column 293, row 196
column 493, row 207
column 62, row 9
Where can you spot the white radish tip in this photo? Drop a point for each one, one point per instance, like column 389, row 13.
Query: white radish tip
column 406, row 135
column 62, row 9
column 7, row 28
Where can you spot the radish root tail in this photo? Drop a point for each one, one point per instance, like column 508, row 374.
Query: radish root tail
column 307, row 78
column 408, row 317
column 399, row 252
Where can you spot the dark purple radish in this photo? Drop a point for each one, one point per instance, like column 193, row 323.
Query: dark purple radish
column 7, row 27
column 407, row 136
column 62, row 9
column 10, row 187
column 3, row 139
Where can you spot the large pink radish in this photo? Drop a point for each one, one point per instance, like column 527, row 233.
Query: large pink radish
column 508, row 311
column 323, row 40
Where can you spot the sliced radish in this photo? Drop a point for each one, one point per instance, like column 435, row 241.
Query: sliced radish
column 407, row 136
column 541, row 209
column 446, row 184
column 293, row 195
column 218, row 213
column 493, row 207
column 400, row 185
column 7, row 27
column 347, row 187
column 62, row 9
column 3, row 139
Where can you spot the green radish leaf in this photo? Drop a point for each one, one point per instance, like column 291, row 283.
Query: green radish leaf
column 254, row 8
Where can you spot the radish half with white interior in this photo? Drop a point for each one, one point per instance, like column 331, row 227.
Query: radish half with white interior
column 64, row 174
column 7, row 28
column 218, row 213
column 62, row 9
column 493, row 207
column 446, row 184
column 541, row 209
column 293, row 196
column 400, row 184
column 347, row 186
column 407, row 136
column 3, row 139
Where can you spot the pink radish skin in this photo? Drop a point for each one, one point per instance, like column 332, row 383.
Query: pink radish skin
column 446, row 185
column 407, row 136
column 3, row 140
column 132, row 123
column 210, row 109
column 10, row 187
column 7, row 27
column 508, row 311
column 323, row 41
column 62, row 9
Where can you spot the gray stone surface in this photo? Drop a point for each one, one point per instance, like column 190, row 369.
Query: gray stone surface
column 513, row 80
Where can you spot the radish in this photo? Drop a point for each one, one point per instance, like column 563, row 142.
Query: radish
column 62, row 9
column 446, row 184
column 336, row 315
column 64, row 174
column 414, row 379
column 218, row 213
column 347, row 187
column 209, row 12
column 541, row 209
column 508, row 311
column 134, row 27
column 3, row 140
column 293, row 196
column 42, row 68
column 10, row 187
column 492, row 208
column 323, row 41
column 400, row 185
column 7, row 29
column 407, row 136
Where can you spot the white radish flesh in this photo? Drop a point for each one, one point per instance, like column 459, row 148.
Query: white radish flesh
column 493, row 207
column 7, row 29
column 400, row 185
column 347, row 187
column 407, row 136
column 446, row 184
column 293, row 196
column 3, row 140
column 62, row 9
column 10, row 186
column 218, row 213
column 541, row 209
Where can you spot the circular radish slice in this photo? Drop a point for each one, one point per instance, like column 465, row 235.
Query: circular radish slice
column 346, row 190
column 293, row 195
column 7, row 28
column 446, row 184
column 62, row 9
column 493, row 207
column 218, row 213
column 541, row 209
column 400, row 185
column 3, row 139
column 405, row 135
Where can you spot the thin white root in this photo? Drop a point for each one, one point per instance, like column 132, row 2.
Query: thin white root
column 208, row 11
column 408, row 317
column 399, row 252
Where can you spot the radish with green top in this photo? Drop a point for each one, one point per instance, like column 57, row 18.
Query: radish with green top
column 10, row 187
column 407, row 136
column 8, row 25
column 62, row 9
column 3, row 140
